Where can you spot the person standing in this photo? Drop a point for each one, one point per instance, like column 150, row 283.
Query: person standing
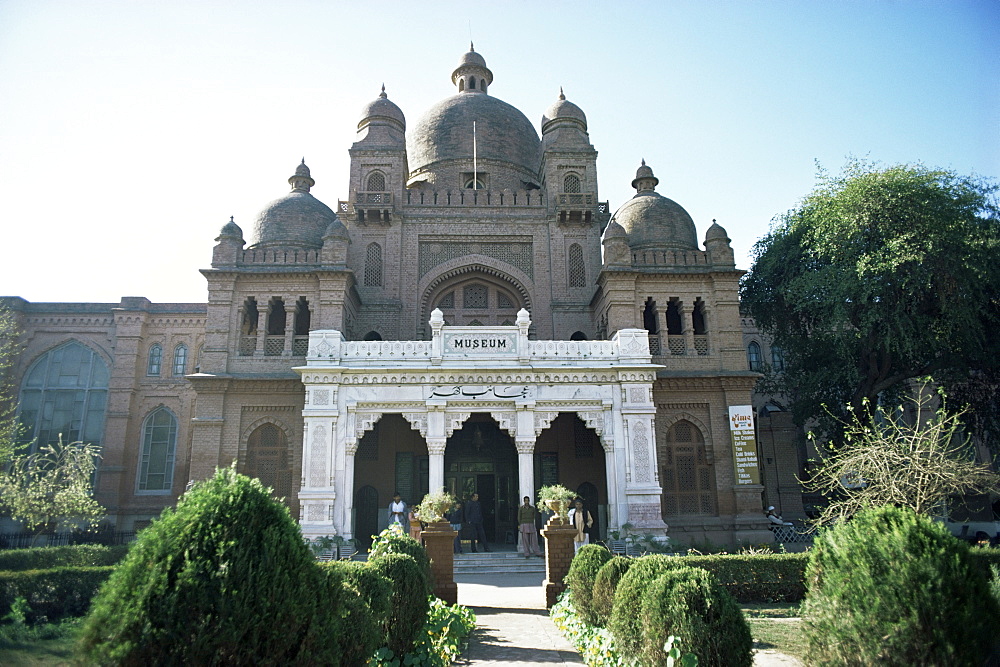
column 526, row 526
column 474, row 517
column 397, row 510
column 454, row 517
column 580, row 519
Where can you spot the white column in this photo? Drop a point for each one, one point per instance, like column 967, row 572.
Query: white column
column 435, row 472
column 617, row 508
column 346, row 527
column 526, row 469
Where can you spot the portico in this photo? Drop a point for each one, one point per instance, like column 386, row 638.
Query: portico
column 437, row 385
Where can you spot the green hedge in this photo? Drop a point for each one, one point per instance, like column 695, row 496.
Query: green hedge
column 408, row 604
column 43, row 558
column 626, row 622
column 758, row 578
column 605, row 585
column 580, row 579
column 52, row 594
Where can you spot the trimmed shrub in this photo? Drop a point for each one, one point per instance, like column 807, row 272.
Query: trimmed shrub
column 891, row 587
column 757, row 578
column 580, row 579
column 687, row 602
column 224, row 578
column 605, row 585
column 43, row 558
column 52, row 594
column 390, row 541
column 363, row 595
column 626, row 625
column 408, row 604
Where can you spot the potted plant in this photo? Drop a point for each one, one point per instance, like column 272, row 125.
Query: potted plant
column 557, row 498
column 434, row 506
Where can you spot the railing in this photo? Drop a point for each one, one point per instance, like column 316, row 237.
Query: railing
column 701, row 345
column 576, row 199
column 300, row 346
column 654, row 344
column 783, row 534
column 677, row 345
column 274, row 346
column 247, row 346
column 467, row 197
column 670, row 258
column 294, row 256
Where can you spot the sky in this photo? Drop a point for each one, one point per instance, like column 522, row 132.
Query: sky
column 131, row 131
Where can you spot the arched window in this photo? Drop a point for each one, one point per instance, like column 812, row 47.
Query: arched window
column 777, row 358
column 276, row 317
column 578, row 335
column 575, row 266
column 267, row 459
column 571, row 183
column 65, row 391
column 154, row 360
column 687, row 477
column 472, row 83
column 373, row 265
column 373, row 335
column 650, row 320
column 475, row 184
column 376, row 182
column 180, row 359
column 159, row 448
column 754, row 358
column 461, row 85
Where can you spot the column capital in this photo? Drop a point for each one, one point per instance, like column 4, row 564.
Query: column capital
column 436, row 446
column 524, row 445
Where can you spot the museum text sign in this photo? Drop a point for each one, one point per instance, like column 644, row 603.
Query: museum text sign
column 481, row 344
column 744, row 444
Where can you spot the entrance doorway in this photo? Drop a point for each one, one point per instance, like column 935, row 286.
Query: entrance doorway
column 481, row 458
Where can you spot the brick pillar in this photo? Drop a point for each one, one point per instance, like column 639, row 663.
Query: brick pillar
column 558, row 555
column 439, row 540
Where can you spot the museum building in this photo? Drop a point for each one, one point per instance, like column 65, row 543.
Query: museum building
column 472, row 316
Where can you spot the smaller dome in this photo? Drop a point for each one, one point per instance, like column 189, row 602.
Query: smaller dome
column 472, row 58
column 716, row 233
column 231, row 230
column 615, row 231
column 382, row 108
column 563, row 109
column 297, row 219
column 644, row 173
column 335, row 230
column 472, row 65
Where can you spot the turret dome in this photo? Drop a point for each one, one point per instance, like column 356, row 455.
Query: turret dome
column 652, row 221
column 565, row 110
column 382, row 109
column 297, row 219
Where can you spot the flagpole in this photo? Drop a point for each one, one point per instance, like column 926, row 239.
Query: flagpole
column 475, row 168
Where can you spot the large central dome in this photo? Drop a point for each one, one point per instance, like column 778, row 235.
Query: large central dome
column 445, row 132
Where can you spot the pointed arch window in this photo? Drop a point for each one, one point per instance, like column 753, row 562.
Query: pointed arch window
column 777, row 358
column 180, row 359
column 64, row 392
column 159, row 449
column 755, row 360
column 267, row 459
column 687, row 476
column 376, row 182
column 373, row 265
column 575, row 266
column 154, row 360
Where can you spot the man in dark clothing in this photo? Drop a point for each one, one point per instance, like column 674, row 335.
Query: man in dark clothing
column 474, row 517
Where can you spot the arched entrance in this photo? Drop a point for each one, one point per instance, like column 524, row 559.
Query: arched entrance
column 571, row 454
column 365, row 515
column 390, row 458
column 481, row 458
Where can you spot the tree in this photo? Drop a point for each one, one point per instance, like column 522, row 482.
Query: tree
column 52, row 485
column 9, row 349
column 879, row 276
column 891, row 461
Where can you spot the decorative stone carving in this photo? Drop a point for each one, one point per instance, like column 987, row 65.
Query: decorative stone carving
column 454, row 422
column 507, row 421
column 543, row 420
column 317, row 460
column 364, row 422
column 321, row 397
column 418, row 420
column 315, row 512
column 640, row 452
column 637, row 394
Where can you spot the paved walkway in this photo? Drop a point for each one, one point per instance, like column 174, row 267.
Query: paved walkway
column 513, row 626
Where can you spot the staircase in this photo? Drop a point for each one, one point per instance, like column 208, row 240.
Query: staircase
column 497, row 562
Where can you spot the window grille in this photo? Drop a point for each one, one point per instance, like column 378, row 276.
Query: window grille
column 687, row 478
column 754, row 358
column 373, row 266
column 577, row 270
column 475, row 296
column 504, row 301
column 267, row 459
column 376, row 182
column 447, row 301
column 571, row 183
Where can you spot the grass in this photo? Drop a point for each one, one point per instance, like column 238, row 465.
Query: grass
column 776, row 626
column 50, row 644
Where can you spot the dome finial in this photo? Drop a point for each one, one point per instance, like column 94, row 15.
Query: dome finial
column 231, row 218
column 644, row 180
column 382, row 94
column 561, row 95
column 472, row 47
column 643, row 162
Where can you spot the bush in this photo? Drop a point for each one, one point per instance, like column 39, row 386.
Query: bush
column 53, row 594
column 605, row 585
column 408, row 604
column 757, row 578
column 392, row 541
column 626, row 625
column 580, row 579
column 224, row 578
column 892, row 587
column 687, row 602
column 43, row 558
column 358, row 593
